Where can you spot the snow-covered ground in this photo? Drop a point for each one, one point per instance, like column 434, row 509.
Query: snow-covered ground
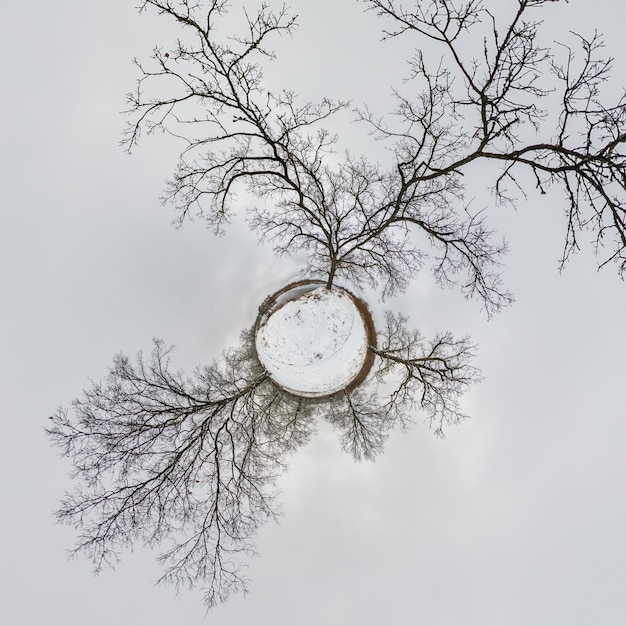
column 315, row 344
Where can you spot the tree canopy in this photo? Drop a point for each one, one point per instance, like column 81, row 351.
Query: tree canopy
column 495, row 92
column 189, row 462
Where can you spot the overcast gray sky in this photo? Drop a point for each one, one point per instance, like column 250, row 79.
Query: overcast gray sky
column 516, row 518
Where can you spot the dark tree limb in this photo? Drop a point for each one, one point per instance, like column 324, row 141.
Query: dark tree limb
column 483, row 107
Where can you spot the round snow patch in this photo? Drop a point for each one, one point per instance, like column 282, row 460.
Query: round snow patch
column 314, row 344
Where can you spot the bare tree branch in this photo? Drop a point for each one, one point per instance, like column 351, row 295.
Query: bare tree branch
column 425, row 376
column 485, row 107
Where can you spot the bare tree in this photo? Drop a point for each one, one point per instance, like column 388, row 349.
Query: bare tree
column 355, row 219
column 427, row 376
column 411, row 376
column 186, row 463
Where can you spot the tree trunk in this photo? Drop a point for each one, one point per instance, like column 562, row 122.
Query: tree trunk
column 331, row 274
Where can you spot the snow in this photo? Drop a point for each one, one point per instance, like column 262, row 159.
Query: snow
column 315, row 343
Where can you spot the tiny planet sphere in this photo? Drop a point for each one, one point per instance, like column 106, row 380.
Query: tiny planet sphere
column 312, row 341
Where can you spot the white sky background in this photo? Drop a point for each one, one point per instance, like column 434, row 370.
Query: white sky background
column 516, row 518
